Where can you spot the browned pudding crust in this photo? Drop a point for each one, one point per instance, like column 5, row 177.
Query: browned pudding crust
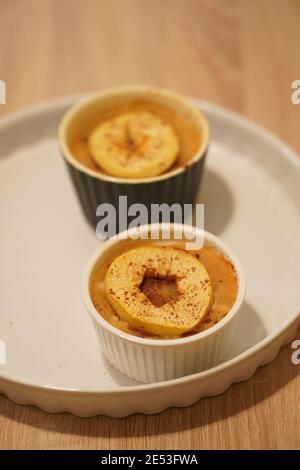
column 159, row 291
column 188, row 136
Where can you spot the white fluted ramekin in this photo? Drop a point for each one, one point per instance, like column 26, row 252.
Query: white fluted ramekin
column 153, row 360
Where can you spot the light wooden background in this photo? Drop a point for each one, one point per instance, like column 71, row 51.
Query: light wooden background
column 242, row 54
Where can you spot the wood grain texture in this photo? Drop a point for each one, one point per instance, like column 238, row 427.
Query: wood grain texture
column 242, row 54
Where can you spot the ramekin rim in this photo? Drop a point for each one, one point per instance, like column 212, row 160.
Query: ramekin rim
column 87, row 100
column 214, row 239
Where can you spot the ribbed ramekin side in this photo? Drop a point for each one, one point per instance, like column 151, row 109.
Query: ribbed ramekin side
column 154, row 363
column 91, row 191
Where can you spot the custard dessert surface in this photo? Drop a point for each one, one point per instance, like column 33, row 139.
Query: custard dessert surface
column 138, row 140
column 166, row 292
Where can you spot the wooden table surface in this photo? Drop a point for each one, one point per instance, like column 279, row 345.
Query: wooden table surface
column 241, row 54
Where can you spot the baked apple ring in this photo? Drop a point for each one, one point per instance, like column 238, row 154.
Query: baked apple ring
column 123, row 287
column 134, row 145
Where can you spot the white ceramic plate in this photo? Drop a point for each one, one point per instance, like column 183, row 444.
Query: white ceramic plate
column 252, row 200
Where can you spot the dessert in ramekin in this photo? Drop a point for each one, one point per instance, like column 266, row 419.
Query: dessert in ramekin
column 161, row 311
column 145, row 143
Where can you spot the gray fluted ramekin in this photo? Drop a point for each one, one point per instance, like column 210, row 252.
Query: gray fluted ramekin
column 179, row 185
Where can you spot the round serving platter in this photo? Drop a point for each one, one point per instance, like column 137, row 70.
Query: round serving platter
column 251, row 194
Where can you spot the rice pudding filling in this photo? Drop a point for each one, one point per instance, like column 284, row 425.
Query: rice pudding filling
column 159, row 290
